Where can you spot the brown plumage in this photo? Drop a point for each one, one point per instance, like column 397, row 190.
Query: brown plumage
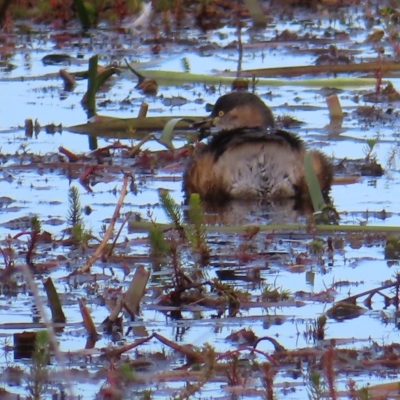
column 248, row 160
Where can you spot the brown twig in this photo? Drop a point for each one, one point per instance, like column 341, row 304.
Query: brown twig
column 143, row 110
column 330, row 372
column 115, row 146
column 110, row 228
column 126, row 219
column 187, row 350
column 352, row 299
column 68, row 79
column 71, row 156
column 88, row 171
column 372, row 66
column 116, row 353
column 278, row 347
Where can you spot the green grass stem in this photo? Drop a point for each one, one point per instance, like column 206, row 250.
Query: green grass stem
column 172, row 77
column 92, row 86
column 232, row 229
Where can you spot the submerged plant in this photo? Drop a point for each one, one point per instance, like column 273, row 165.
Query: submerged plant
column 316, row 247
column 172, row 210
column 229, row 294
column 39, row 373
column 196, row 234
column 268, row 381
column 9, row 257
column 158, row 244
column 209, row 355
column 36, row 227
column 80, row 236
column 233, row 374
column 392, row 248
column 146, row 395
column 356, row 393
column 273, row 294
column 319, row 327
column 74, row 215
column 368, row 149
column 316, row 386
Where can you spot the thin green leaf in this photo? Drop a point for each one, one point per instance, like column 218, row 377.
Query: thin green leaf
column 103, row 77
column 174, row 77
column 371, row 142
column 167, row 133
column 144, row 226
column 313, row 184
column 91, row 88
column 140, row 77
column 54, row 301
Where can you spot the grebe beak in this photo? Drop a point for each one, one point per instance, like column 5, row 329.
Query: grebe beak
column 205, row 123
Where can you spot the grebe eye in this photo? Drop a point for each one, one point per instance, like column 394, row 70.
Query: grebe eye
column 221, row 114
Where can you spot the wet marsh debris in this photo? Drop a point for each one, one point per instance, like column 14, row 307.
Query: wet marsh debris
column 387, row 94
column 57, row 59
column 6, row 249
column 68, row 79
column 96, row 78
column 147, row 86
column 182, row 257
column 123, row 127
column 34, row 237
column 347, row 308
column 206, row 364
column 87, row 321
column 228, row 366
column 274, row 294
column 288, row 122
column 368, row 166
column 333, row 56
column 344, row 310
column 392, row 248
column 108, row 234
column 240, row 84
column 335, row 108
column 375, row 113
column 193, row 233
column 129, row 302
column 186, row 289
column 316, row 329
column 24, row 344
column 57, row 313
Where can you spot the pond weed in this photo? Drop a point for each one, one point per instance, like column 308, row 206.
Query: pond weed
column 38, row 379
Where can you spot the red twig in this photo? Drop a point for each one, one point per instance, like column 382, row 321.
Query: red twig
column 330, row 373
column 71, row 156
column 88, row 171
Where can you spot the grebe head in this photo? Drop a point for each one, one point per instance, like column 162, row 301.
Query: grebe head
column 238, row 110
